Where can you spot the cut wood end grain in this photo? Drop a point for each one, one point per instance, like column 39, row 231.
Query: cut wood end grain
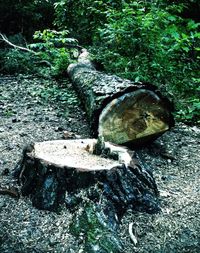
column 122, row 111
column 133, row 116
column 49, row 169
column 76, row 154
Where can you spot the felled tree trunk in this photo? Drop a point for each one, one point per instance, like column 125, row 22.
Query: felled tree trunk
column 121, row 111
column 103, row 178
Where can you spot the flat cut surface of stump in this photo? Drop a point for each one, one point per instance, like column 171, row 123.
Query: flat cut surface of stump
column 73, row 154
column 47, row 170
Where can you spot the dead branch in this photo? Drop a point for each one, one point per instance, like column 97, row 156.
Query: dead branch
column 4, row 38
column 13, row 192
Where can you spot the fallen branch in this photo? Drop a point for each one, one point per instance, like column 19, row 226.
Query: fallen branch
column 4, row 38
column 13, row 192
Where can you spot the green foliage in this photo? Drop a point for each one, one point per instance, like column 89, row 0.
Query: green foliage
column 82, row 18
column 144, row 42
column 62, row 95
column 152, row 41
column 14, row 61
column 8, row 112
column 54, row 49
column 25, row 16
column 190, row 112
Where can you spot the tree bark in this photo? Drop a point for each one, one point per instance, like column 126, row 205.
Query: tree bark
column 99, row 178
column 121, row 111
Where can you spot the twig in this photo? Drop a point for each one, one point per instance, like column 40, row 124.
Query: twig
column 4, row 38
column 69, row 45
column 132, row 236
column 182, row 207
column 13, row 192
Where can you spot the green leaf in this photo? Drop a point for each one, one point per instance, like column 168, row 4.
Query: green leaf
column 192, row 24
column 186, row 49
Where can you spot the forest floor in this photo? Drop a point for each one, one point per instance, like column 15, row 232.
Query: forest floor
column 37, row 109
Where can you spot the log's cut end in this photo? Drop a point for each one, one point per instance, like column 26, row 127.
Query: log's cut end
column 77, row 154
column 135, row 117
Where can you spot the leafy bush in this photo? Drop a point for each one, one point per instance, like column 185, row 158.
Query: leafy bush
column 25, row 16
column 14, row 61
column 149, row 43
column 51, row 55
column 143, row 41
column 82, row 18
column 55, row 48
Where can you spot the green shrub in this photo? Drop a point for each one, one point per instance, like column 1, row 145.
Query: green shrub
column 54, row 51
column 83, row 18
column 14, row 61
column 55, row 48
column 144, row 42
column 140, row 40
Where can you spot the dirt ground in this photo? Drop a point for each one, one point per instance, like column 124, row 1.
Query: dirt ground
column 33, row 109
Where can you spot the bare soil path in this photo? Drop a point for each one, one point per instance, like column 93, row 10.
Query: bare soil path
column 33, row 109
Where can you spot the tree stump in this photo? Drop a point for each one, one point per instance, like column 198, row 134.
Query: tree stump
column 121, row 111
column 96, row 180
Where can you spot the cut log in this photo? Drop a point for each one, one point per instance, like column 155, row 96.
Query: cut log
column 121, row 111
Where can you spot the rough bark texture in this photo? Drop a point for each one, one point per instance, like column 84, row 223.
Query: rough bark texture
column 98, row 187
column 118, row 109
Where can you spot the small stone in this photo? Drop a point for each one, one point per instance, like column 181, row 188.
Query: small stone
column 68, row 135
column 2, row 162
column 58, row 129
column 2, row 203
column 15, row 120
column 23, row 134
column 5, row 172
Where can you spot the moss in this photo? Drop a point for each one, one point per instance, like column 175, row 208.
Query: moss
column 98, row 237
